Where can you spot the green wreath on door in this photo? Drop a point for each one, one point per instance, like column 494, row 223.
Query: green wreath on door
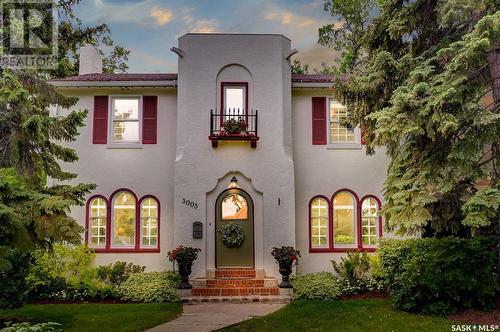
column 232, row 235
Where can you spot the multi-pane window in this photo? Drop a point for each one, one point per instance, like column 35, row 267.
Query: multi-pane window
column 369, row 216
column 125, row 120
column 344, row 219
column 123, row 230
column 97, row 222
column 340, row 132
column 149, row 222
column 319, row 223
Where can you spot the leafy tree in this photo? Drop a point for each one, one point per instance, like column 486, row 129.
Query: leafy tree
column 298, row 68
column 34, row 206
column 346, row 34
column 425, row 93
column 71, row 36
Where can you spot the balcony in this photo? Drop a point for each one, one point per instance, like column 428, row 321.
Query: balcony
column 233, row 125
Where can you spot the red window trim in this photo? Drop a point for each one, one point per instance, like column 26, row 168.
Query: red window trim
column 224, row 84
column 359, row 247
column 137, row 247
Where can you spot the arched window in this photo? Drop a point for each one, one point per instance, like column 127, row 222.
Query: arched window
column 97, row 222
column 344, row 219
column 319, row 223
column 123, row 217
column 369, row 216
column 149, row 222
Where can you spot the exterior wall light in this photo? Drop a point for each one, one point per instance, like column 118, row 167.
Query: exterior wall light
column 234, row 183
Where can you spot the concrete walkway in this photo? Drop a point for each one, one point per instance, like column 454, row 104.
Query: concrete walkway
column 213, row 316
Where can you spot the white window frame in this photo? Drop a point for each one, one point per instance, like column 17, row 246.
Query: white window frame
column 112, row 230
column 356, row 144
column 376, row 222
column 355, row 216
column 142, row 220
column 327, row 245
column 90, row 236
column 124, row 144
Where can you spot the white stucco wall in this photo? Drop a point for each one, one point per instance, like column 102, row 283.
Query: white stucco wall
column 269, row 167
column 145, row 170
column 321, row 170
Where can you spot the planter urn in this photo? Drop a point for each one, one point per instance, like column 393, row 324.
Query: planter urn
column 185, row 272
column 285, row 269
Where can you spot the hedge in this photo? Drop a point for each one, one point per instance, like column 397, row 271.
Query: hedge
column 439, row 276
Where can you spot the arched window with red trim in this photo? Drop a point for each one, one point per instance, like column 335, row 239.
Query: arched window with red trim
column 370, row 221
column 319, row 212
column 344, row 219
column 97, row 222
column 150, row 214
column 123, row 220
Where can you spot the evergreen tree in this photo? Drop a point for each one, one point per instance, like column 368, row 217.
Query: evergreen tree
column 425, row 93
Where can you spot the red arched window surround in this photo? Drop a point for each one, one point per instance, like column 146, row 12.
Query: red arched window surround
column 379, row 202
column 330, row 230
column 87, row 218
column 109, row 202
column 139, row 204
column 357, row 202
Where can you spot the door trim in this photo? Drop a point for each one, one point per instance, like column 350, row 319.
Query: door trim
column 235, row 190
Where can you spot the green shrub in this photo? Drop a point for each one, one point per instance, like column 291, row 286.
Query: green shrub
column 344, row 239
column 14, row 267
column 354, row 274
column 150, row 287
column 74, row 264
column 28, row 327
column 316, row 286
column 439, row 276
column 115, row 274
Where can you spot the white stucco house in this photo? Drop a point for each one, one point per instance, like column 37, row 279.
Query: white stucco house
column 169, row 170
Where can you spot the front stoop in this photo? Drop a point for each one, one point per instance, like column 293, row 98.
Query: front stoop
column 235, row 286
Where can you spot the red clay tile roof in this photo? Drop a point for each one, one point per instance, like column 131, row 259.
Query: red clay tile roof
column 312, row 78
column 121, row 77
column 296, row 78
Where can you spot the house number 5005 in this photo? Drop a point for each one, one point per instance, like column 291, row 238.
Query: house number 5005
column 190, row 203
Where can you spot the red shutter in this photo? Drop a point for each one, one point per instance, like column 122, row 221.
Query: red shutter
column 362, row 137
column 149, row 119
column 318, row 120
column 100, row 126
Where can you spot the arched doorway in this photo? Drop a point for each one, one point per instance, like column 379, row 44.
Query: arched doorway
column 234, row 206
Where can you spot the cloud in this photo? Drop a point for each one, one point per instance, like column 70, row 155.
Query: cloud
column 289, row 18
column 197, row 25
column 161, row 16
column 315, row 54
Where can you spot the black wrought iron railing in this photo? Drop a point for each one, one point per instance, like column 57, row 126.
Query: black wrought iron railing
column 234, row 123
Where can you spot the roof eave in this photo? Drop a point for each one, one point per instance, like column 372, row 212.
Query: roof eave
column 107, row 84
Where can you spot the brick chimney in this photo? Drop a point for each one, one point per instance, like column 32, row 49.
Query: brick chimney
column 90, row 60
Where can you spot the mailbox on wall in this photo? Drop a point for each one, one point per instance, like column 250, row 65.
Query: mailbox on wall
column 197, row 230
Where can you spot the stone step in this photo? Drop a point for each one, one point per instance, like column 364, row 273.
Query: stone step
column 234, row 283
column 237, row 299
column 235, row 291
column 235, row 273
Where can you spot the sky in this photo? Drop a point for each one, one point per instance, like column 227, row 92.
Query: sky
column 149, row 28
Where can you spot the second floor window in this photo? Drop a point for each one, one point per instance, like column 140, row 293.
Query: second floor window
column 125, row 124
column 339, row 131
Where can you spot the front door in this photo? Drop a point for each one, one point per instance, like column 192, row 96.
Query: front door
column 234, row 206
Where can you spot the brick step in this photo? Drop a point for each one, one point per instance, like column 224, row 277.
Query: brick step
column 235, row 273
column 237, row 299
column 235, row 291
column 234, row 283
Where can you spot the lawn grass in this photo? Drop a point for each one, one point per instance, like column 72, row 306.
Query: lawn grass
column 97, row 317
column 350, row 315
